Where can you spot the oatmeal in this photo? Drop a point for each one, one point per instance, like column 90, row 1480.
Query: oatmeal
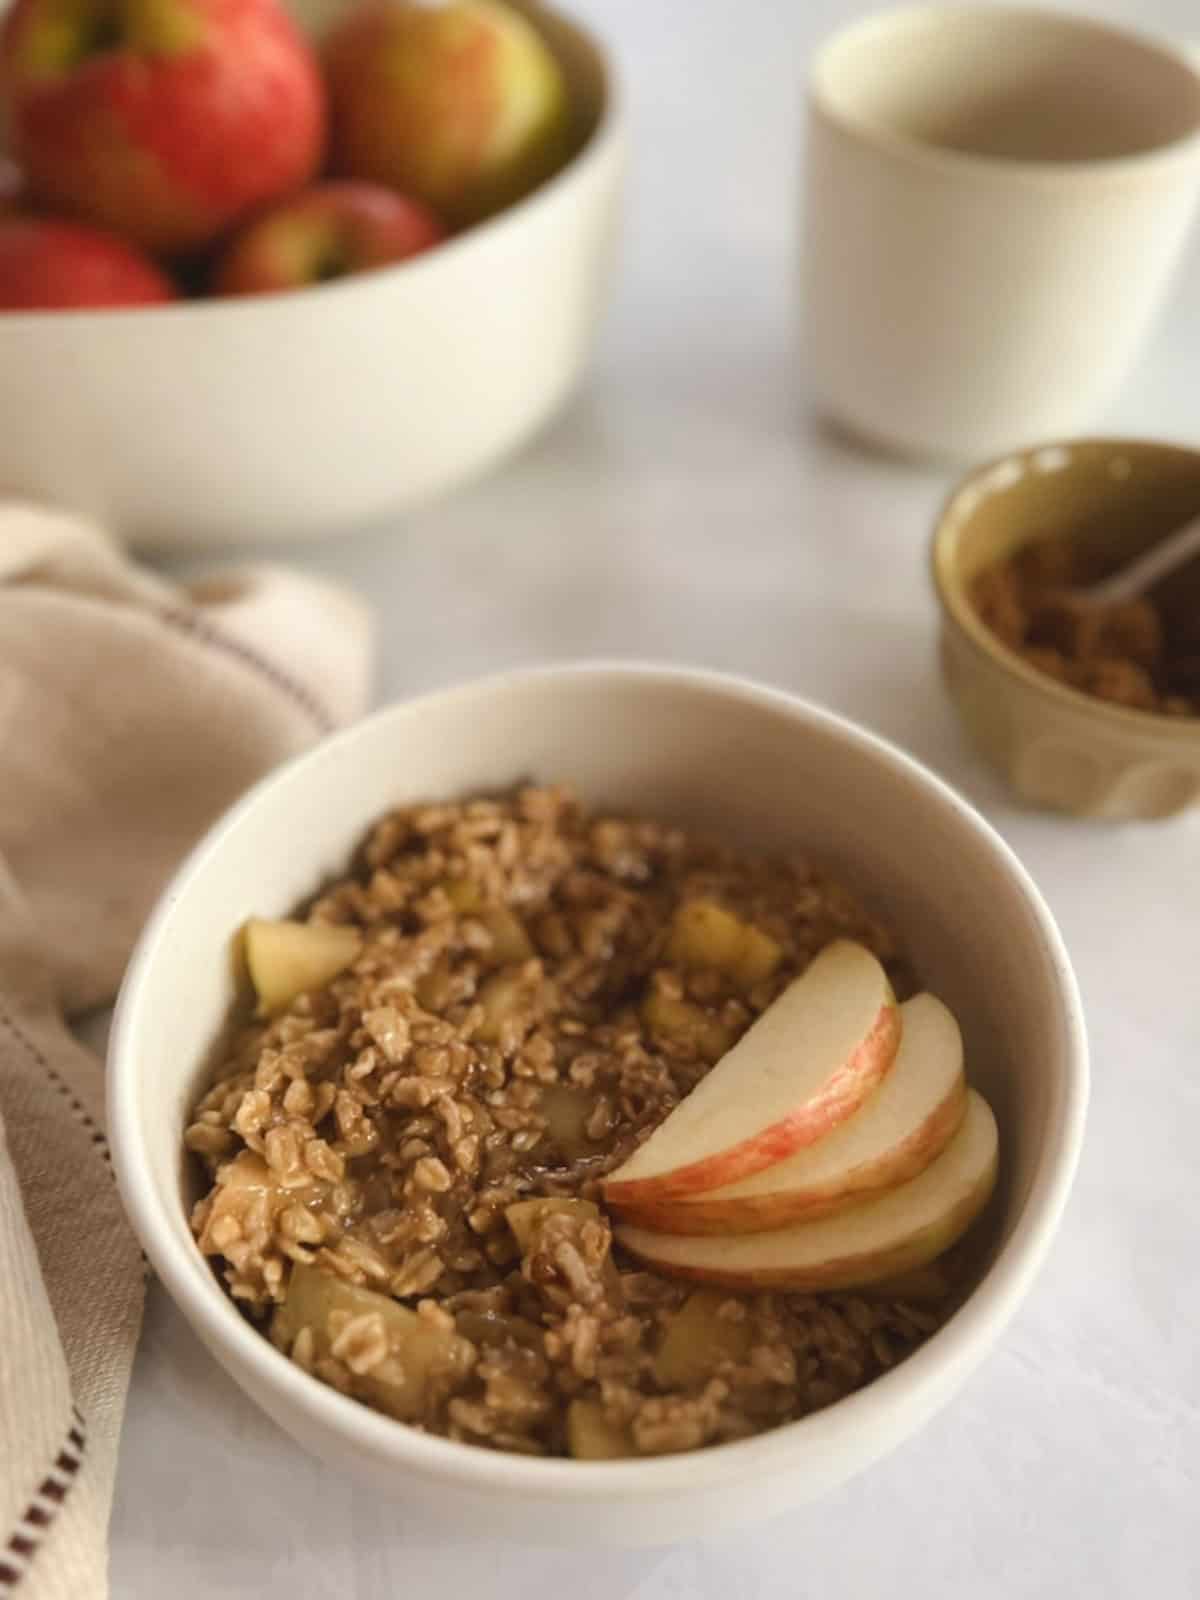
column 404, row 1161
column 1136, row 654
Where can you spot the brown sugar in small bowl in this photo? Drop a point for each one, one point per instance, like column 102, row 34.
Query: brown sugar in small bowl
column 1059, row 748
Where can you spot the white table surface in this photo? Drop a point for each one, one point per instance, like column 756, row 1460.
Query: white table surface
column 687, row 508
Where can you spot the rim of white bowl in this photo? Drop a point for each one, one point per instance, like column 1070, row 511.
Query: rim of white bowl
column 926, row 1377
column 604, row 140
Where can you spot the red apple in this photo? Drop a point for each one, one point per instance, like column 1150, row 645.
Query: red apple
column 47, row 265
column 327, row 232
column 165, row 120
column 11, row 185
column 461, row 105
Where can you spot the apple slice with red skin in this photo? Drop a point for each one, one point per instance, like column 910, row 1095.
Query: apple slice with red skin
column 902, row 1126
column 905, row 1228
column 806, row 1064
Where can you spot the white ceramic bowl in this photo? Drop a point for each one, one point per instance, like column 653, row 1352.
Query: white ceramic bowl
column 757, row 766
column 313, row 412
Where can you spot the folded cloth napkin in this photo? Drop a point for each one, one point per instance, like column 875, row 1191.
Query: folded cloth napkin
column 131, row 712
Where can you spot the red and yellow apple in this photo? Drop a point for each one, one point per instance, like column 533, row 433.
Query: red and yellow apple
column 165, row 120
column 47, row 265
column 327, row 232
column 903, row 1229
column 11, row 186
column 461, row 104
column 898, row 1131
column 805, row 1066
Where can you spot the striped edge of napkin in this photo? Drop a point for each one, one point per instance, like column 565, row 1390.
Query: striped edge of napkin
column 132, row 712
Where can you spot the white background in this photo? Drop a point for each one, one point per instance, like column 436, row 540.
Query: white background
column 688, row 508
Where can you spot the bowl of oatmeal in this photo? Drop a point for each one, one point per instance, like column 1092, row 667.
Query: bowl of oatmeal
column 1090, row 711
column 379, row 1100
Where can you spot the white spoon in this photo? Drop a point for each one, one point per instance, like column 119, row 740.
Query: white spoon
column 1130, row 582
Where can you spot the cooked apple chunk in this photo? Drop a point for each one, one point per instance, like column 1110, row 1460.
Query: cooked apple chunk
column 705, row 934
column 698, row 1339
column 313, row 1295
column 675, row 1021
column 500, row 996
column 525, row 1217
column 510, row 942
column 594, row 1436
column 418, row 1351
column 285, row 958
column 464, row 894
column 566, row 1110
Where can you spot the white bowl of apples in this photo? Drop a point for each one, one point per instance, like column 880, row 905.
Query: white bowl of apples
column 753, row 768
column 261, row 280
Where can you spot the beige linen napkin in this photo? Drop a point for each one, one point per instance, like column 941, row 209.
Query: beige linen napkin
column 131, row 712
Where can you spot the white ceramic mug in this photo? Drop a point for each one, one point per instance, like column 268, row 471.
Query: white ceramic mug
column 996, row 198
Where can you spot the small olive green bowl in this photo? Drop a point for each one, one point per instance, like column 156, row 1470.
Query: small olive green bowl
column 1059, row 749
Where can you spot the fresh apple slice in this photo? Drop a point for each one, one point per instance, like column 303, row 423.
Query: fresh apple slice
column 287, row 958
column 903, row 1229
column 806, row 1065
column 896, row 1133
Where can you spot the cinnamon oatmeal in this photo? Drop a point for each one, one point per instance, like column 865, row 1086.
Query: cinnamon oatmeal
column 403, row 1164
